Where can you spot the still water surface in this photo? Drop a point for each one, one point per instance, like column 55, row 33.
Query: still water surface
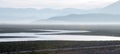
column 41, row 36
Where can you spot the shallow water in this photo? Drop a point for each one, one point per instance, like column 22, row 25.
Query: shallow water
column 33, row 36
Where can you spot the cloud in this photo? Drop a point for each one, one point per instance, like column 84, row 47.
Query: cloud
column 82, row 4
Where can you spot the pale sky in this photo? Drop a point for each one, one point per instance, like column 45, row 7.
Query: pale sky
column 57, row 4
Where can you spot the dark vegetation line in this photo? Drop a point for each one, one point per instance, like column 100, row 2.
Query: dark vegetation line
column 40, row 45
column 66, row 49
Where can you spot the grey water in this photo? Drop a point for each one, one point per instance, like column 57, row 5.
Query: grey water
column 11, row 33
column 10, row 37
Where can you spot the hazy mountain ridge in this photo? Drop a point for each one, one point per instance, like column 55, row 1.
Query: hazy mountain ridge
column 38, row 14
column 107, row 14
column 88, row 18
column 112, row 9
column 29, row 14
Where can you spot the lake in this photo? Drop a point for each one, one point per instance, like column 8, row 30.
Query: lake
column 53, row 35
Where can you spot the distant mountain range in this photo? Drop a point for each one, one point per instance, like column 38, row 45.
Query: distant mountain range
column 87, row 18
column 70, row 14
column 29, row 13
column 107, row 14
